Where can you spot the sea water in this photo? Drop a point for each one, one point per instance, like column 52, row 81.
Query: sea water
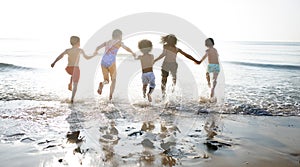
column 259, row 78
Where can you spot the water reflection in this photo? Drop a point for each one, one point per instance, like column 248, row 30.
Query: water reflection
column 168, row 140
column 168, row 136
column 74, row 137
column 147, row 156
column 109, row 138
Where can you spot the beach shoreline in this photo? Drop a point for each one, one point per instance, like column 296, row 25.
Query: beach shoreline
column 240, row 140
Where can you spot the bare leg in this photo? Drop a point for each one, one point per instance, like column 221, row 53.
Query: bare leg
column 208, row 79
column 74, row 91
column 149, row 94
column 174, row 81
column 163, row 85
column 70, row 85
column 100, row 88
column 144, row 90
column 215, row 76
column 112, row 88
column 174, row 84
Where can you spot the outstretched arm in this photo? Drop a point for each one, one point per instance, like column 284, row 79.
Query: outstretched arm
column 203, row 58
column 163, row 54
column 59, row 57
column 128, row 50
column 159, row 57
column 98, row 48
column 86, row 56
column 138, row 57
column 187, row 55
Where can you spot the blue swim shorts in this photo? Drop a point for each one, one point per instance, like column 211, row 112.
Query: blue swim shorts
column 213, row 68
column 149, row 78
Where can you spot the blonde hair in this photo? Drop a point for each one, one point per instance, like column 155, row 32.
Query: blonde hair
column 74, row 40
column 145, row 46
column 116, row 34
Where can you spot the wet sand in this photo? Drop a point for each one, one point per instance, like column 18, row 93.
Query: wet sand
column 169, row 139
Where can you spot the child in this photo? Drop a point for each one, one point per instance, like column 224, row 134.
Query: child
column 73, row 63
column 108, row 62
column 170, row 65
column 147, row 67
column 213, row 64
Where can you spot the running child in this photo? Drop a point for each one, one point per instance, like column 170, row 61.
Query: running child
column 73, row 63
column 108, row 62
column 147, row 60
column 213, row 64
column 169, row 64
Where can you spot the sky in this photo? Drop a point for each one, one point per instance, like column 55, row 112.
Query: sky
column 230, row 20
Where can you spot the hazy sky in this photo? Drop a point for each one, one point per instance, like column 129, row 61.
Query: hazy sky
column 248, row 20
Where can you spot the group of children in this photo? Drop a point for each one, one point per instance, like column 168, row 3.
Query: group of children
column 108, row 62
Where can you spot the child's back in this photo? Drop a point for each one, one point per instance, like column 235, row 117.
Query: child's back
column 108, row 62
column 170, row 53
column 212, row 56
column 111, row 50
column 147, row 62
column 73, row 56
column 73, row 63
column 213, row 64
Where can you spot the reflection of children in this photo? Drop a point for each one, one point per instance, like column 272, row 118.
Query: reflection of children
column 108, row 62
column 147, row 67
column 73, row 63
column 213, row 64
column 170, row 65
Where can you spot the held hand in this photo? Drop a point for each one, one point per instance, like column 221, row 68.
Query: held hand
column 95, row 53
column 198, row 62
column 134, row 55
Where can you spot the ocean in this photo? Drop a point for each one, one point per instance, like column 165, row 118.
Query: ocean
column 258, row 79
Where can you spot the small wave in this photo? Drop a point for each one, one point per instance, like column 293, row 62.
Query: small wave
column 274, row 66
column 270, row 43
column 7, row 67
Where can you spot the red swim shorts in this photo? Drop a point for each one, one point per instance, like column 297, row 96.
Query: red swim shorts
column 74, row 71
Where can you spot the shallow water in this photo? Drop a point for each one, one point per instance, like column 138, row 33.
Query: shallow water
column 36, row 115
column 110, row 136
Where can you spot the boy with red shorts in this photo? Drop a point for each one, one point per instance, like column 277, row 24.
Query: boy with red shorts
column 73, row 63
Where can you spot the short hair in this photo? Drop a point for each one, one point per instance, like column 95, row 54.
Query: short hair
column 74, row 40
column 211, row 40
column 169, row 39
column 145, row 46
column 116, row 34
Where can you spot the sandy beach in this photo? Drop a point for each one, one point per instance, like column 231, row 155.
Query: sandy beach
column 113, row 137
column 257, row 122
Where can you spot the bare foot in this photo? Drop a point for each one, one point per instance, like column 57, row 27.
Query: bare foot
column 70, row 86
column 100, row 88
column 213, row 100
column 149, row 97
